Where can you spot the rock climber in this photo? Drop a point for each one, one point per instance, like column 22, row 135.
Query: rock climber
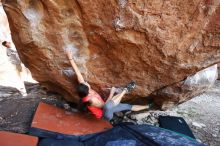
column 13, row 56
column 16, row 62
column 93, row 101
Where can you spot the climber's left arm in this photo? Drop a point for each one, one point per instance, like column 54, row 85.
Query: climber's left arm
column 76, row 69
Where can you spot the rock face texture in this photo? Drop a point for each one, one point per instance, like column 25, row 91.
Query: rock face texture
column 192, row 86
column 154, row 42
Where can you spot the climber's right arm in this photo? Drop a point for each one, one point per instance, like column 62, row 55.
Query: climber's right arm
column 76, row 69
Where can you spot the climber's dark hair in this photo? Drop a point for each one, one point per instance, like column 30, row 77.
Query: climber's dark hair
column 82, row 90
column 4, row 43
column 82, row 106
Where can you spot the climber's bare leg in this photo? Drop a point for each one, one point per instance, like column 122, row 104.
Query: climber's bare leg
column 117, row 98
column 112, row 92
column 130, row 86
column 139, row 107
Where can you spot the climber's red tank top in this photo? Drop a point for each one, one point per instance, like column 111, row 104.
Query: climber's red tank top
column 94, row 110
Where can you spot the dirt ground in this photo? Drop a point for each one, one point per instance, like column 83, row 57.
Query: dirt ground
column 202, row 113
column 16, row 112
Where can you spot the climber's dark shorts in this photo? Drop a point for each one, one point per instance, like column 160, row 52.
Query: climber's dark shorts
column 110, row 108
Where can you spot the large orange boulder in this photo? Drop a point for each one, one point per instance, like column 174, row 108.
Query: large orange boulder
column 154, row 42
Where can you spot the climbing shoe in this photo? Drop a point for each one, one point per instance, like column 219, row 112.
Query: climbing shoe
column 130, row 86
